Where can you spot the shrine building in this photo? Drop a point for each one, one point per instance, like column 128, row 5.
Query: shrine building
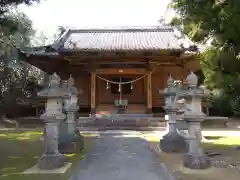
column 113, row 65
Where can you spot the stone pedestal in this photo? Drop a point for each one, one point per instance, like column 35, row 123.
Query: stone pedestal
column 71, row 120
column 172, row 141
column 195, row 158
column 194, row 161
column 70, row 139
column 51, row 158
column 63, row 127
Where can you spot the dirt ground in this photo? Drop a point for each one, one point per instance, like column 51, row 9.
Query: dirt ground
column 218, row 171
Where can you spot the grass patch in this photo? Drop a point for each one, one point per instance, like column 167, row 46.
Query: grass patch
column 21, row 150
column 89, row 135
column 20, row 135
column 216, row 142
column 224, row 145
column 152, row 138
column 210, row 141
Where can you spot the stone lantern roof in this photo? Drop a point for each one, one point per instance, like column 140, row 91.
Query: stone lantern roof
column 192, row 80
column 170, row 81
column 53, row 90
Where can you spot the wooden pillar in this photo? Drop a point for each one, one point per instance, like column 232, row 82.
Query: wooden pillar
column 145, row 89
column 93, row 93
column 149, row 93
column 37, row 114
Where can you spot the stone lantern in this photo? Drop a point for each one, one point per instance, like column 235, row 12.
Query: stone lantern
column 172, row 141
column 53, row 116
column 70, row 139
column 193, row 115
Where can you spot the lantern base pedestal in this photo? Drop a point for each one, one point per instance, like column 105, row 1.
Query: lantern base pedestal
column 173, row 142
column 71, row 144
column 196, row 161
column 51, row 161
column 93, row 111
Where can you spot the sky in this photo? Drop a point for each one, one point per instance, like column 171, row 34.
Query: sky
column 50, row 14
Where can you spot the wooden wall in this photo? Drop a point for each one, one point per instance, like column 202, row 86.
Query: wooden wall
column 106, row 97
column 83, row 82
column 159, row 81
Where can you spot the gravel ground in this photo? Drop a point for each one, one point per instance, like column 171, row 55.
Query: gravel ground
column 225, row 166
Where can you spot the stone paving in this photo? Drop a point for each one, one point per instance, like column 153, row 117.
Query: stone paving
column 121, row 157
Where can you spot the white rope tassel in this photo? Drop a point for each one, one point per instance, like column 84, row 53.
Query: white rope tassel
column 127, row 82
column 119, row 87
column 107, row 87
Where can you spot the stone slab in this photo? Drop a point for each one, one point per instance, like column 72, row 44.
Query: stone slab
column 35, row 170
column 111, row 132
column 211, row 170
column 196, row 161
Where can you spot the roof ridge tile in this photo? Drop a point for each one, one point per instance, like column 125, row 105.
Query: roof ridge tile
column 124, row 29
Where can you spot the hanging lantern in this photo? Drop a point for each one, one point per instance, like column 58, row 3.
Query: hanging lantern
column 107, row 87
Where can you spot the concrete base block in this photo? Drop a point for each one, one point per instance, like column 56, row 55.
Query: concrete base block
column 196, row 161
column 51, row 161
column 36, row 170
column 173, row 142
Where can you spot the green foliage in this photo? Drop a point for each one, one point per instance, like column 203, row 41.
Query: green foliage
column 220, row 104
column 218, row 22
column 15, row 31
column 215, row 18
column 9, row 23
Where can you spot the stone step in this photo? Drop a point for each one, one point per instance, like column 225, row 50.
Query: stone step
column 153, row 124
column 132, row 108
column 109, row 120
column 121, row 122
column 134, row 128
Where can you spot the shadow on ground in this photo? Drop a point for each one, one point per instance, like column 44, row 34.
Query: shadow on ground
column 223, row 151
column 21, row 150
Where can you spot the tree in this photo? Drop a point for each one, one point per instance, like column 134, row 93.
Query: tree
column 14, row 81
column 8, row 22
column 217, row 21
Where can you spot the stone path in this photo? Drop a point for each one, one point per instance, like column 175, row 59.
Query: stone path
column 116, row 157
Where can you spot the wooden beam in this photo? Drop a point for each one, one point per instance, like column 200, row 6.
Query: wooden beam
column 121, row 71
column 112, row 62
column 122, row 66
column 142, row 58
column 147, row 63
column 152, row 52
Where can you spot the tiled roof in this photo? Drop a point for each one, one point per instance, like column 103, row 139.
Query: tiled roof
column 146, row 38
column 39, row 51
